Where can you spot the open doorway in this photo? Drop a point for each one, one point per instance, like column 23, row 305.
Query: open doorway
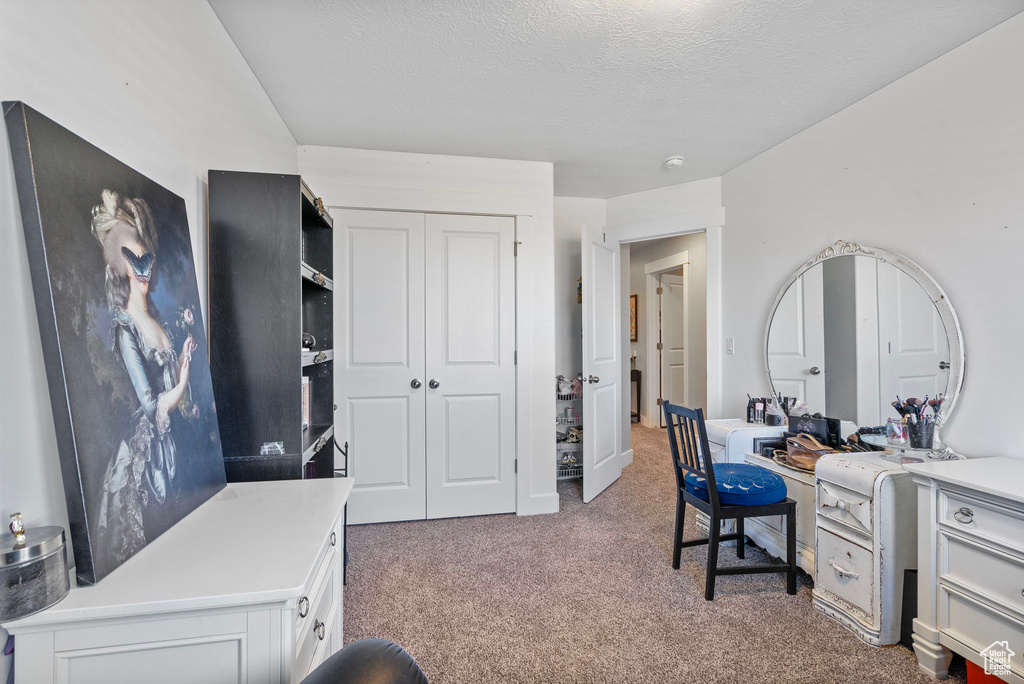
column 668, row 325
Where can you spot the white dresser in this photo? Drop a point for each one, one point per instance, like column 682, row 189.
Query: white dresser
column 971, row 563
column 246, row 588
column 866, row 537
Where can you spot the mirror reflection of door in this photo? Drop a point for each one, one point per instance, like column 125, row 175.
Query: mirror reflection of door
column 913, row 350
column 796, row 342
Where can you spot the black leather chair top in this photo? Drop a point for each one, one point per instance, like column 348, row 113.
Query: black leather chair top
column 368, row 661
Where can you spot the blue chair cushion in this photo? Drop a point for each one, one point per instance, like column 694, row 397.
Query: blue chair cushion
column 739, row 484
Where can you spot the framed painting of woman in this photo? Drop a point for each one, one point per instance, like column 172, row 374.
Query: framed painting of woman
column 117, row 300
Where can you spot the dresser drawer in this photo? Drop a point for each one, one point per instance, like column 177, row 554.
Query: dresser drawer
column 985, row 571
column 322, row 605
column 844, row 506
column 972, row 517
column 846, row 570
column 305, row 603
column 978, row 627
column 322, row 646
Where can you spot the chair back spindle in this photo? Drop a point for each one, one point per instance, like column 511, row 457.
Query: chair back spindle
column 688, row 441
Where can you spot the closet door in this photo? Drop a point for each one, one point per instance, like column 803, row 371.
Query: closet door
column 470, row 342
column 379, row 357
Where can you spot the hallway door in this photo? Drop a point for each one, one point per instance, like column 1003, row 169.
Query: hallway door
column 674, row 330
column 602, row 364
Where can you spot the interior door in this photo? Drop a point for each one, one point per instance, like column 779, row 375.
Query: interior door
column 470, row 347
column 602, row 364
column 796, row 346
column 380, row 356
column 674, row 329
column 913, row 353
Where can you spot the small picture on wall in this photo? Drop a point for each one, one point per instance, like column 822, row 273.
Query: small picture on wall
column 124, row 345
column 632, row 318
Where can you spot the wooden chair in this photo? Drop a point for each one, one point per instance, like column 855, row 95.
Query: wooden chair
column 688, row 440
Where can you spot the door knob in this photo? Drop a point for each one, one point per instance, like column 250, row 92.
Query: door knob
column 815, row 370
column 943, row 365
column 415, row 384
column 433, row 384
column 593, row 379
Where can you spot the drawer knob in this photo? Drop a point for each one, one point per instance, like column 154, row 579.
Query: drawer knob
column 303, row 607
column 320, row 628
column 842, row 505
column 964, row 516
column 849, row 574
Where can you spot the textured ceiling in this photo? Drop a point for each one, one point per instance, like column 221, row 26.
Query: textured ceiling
column 605, row 89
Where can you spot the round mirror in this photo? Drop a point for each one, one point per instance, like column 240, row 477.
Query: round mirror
column 857, row 326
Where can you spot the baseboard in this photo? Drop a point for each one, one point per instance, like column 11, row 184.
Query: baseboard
column 540, row 504
column 627, row 458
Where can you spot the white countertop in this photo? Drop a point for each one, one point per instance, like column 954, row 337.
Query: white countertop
column 997, row 475
column 253, row 542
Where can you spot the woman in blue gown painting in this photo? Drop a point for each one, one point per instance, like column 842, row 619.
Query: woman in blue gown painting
column 141, row 472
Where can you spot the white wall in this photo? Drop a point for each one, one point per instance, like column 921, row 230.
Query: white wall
column 160, row 86
column 426, row 182
column 642, row 253
column 932, row 166
column 683, row 208
column 570, row 214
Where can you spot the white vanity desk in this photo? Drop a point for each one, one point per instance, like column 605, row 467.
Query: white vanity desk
column 970, row 561
column 246, row 588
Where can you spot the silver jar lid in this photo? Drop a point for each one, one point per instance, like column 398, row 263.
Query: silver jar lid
column 39, row 542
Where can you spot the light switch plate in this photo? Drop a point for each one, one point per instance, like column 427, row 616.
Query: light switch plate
column 730, row 345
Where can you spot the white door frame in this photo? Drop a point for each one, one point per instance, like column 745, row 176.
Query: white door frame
column 711, row 222
column 652, row 273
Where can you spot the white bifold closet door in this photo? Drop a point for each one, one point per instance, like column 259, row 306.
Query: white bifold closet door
column 470, row 356
column 426, row 378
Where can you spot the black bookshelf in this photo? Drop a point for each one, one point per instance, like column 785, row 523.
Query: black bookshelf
column 271, row 280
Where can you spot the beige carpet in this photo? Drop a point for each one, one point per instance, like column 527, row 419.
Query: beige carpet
column 588, row 595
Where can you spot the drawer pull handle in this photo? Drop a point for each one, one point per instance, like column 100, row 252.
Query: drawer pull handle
column 303, row 607
column 334, row 539
column 320, row 628
column 965, row 516
column 842, row 505
column 840, row 571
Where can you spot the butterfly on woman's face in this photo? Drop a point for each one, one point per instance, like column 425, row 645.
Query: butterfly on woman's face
column 142, row 266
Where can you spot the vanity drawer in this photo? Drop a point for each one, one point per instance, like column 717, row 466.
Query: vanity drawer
column 844, row 506
column 985, row 571
column 846, row 570
column 978, row 627
column 971, row 517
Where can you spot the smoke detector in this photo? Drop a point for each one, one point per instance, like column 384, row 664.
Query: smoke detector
column 674, row 162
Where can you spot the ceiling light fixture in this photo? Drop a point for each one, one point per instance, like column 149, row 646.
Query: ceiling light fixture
column 674, row 162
